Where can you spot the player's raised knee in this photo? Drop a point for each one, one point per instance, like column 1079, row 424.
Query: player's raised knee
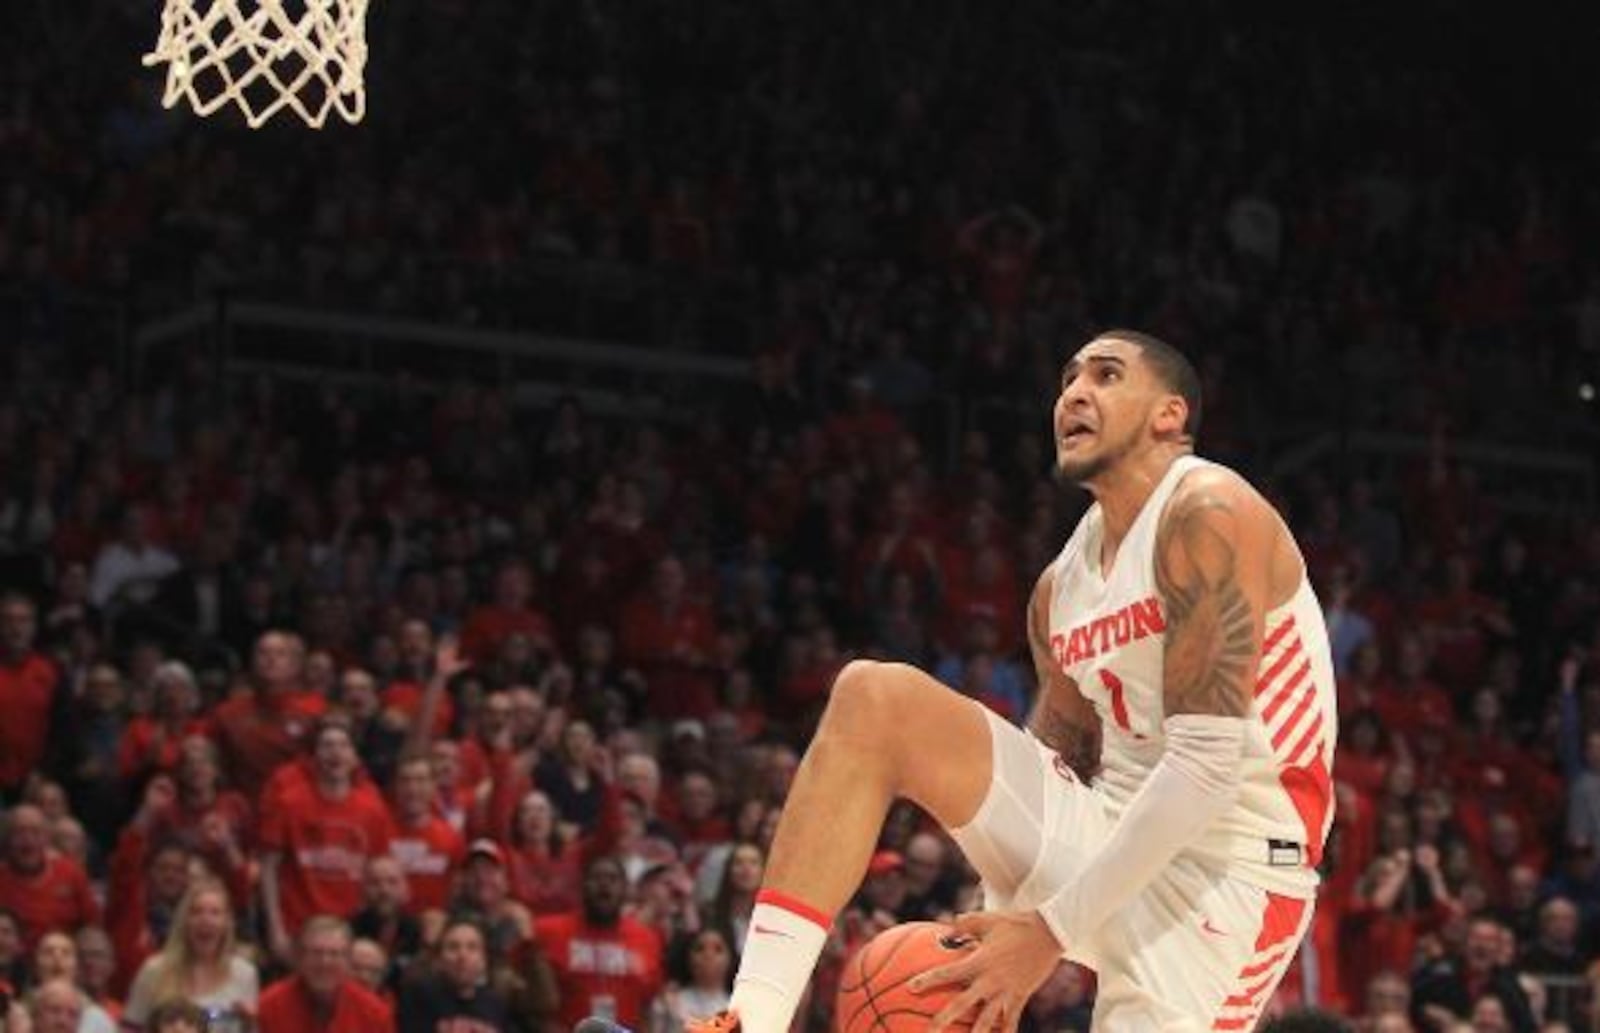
column 867, row 695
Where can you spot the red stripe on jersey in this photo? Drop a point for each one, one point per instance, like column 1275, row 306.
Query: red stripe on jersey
column 1264, row 682
column 1277, row 634
column 1249, row 996
column 1312, row 735
column 1292, row 722
column 1310, row 789
column 1280, row 925
column 1280, row 921
column 1261, row 966
column 1287, row 691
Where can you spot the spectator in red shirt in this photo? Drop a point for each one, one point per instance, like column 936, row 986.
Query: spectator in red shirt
column 150, row 742
column 672, row 638
column 546, row 865
column 1413, row 699
column 31, row 696
column 407, row 689
column 1002, row 244
column 216, row 822
column 604, row 962
column 699, row 822
column 1363, row 756
column 511, row 611
column 1462, row 623
column 427, row 846
column 44, row 889
column 148, row 879
column 262, row 730
column 319, row 827
column 323, row 996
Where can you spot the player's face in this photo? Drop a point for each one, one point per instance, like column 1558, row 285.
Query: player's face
column 1108, row 395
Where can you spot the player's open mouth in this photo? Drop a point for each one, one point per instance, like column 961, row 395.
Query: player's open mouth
column 1074, row 433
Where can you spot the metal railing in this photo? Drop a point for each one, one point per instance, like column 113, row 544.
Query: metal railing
column 358, row 351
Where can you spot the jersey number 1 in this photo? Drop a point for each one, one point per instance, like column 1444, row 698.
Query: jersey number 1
column 1119, row 704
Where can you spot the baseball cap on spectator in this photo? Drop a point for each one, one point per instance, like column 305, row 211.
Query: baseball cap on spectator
column 885, row 861
column 689, row 727
column 487, row 848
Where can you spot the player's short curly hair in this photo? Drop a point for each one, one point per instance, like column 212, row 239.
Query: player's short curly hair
column 1174, row 369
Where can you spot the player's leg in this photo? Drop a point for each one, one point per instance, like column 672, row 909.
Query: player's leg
column 1196, row 952
column 889, row 730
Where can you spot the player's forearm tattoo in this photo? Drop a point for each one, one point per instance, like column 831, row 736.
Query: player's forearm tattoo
column 1210, row 637
column 1077, row 743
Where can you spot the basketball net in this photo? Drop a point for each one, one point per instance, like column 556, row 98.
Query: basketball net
column 265, row 55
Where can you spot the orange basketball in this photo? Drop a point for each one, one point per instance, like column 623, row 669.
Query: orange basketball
column 873, row 995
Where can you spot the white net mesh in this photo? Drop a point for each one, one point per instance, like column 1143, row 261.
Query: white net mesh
column 264, row 56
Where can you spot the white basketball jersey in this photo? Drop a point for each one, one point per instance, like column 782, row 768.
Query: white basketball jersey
column 1106, row 634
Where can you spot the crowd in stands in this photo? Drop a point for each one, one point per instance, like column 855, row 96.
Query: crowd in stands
column 326, row 710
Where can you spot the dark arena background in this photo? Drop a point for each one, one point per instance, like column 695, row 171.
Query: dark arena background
column 634, row 364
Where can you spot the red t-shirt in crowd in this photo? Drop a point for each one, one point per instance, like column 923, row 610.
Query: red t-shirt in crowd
column 488, row 626
column 27, row 692
column 610, row 972
column 56, row 897
column 258, row 733
column 406, row 697
column 286, row 1007
column 325, row 844
column 673, row 651
column 147, row 745
column 429, row 854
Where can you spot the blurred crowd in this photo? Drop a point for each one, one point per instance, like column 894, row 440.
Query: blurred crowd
column 411, row 706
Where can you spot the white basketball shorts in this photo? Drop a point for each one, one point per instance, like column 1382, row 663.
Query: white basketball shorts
column 1196, row 950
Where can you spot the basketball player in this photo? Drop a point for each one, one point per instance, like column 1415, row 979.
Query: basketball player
column 1162, row 819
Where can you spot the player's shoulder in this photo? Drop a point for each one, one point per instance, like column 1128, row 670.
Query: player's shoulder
column 1215, row 491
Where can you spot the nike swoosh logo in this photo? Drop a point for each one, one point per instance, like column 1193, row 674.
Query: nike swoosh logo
column 1213, row 930
column 764, row 930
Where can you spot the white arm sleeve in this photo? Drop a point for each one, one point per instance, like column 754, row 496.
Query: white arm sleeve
column 1196, row 780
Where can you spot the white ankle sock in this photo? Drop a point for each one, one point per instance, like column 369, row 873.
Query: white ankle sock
column 780, row 951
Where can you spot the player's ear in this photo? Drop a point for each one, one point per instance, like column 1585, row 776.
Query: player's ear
column 1171, row 414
